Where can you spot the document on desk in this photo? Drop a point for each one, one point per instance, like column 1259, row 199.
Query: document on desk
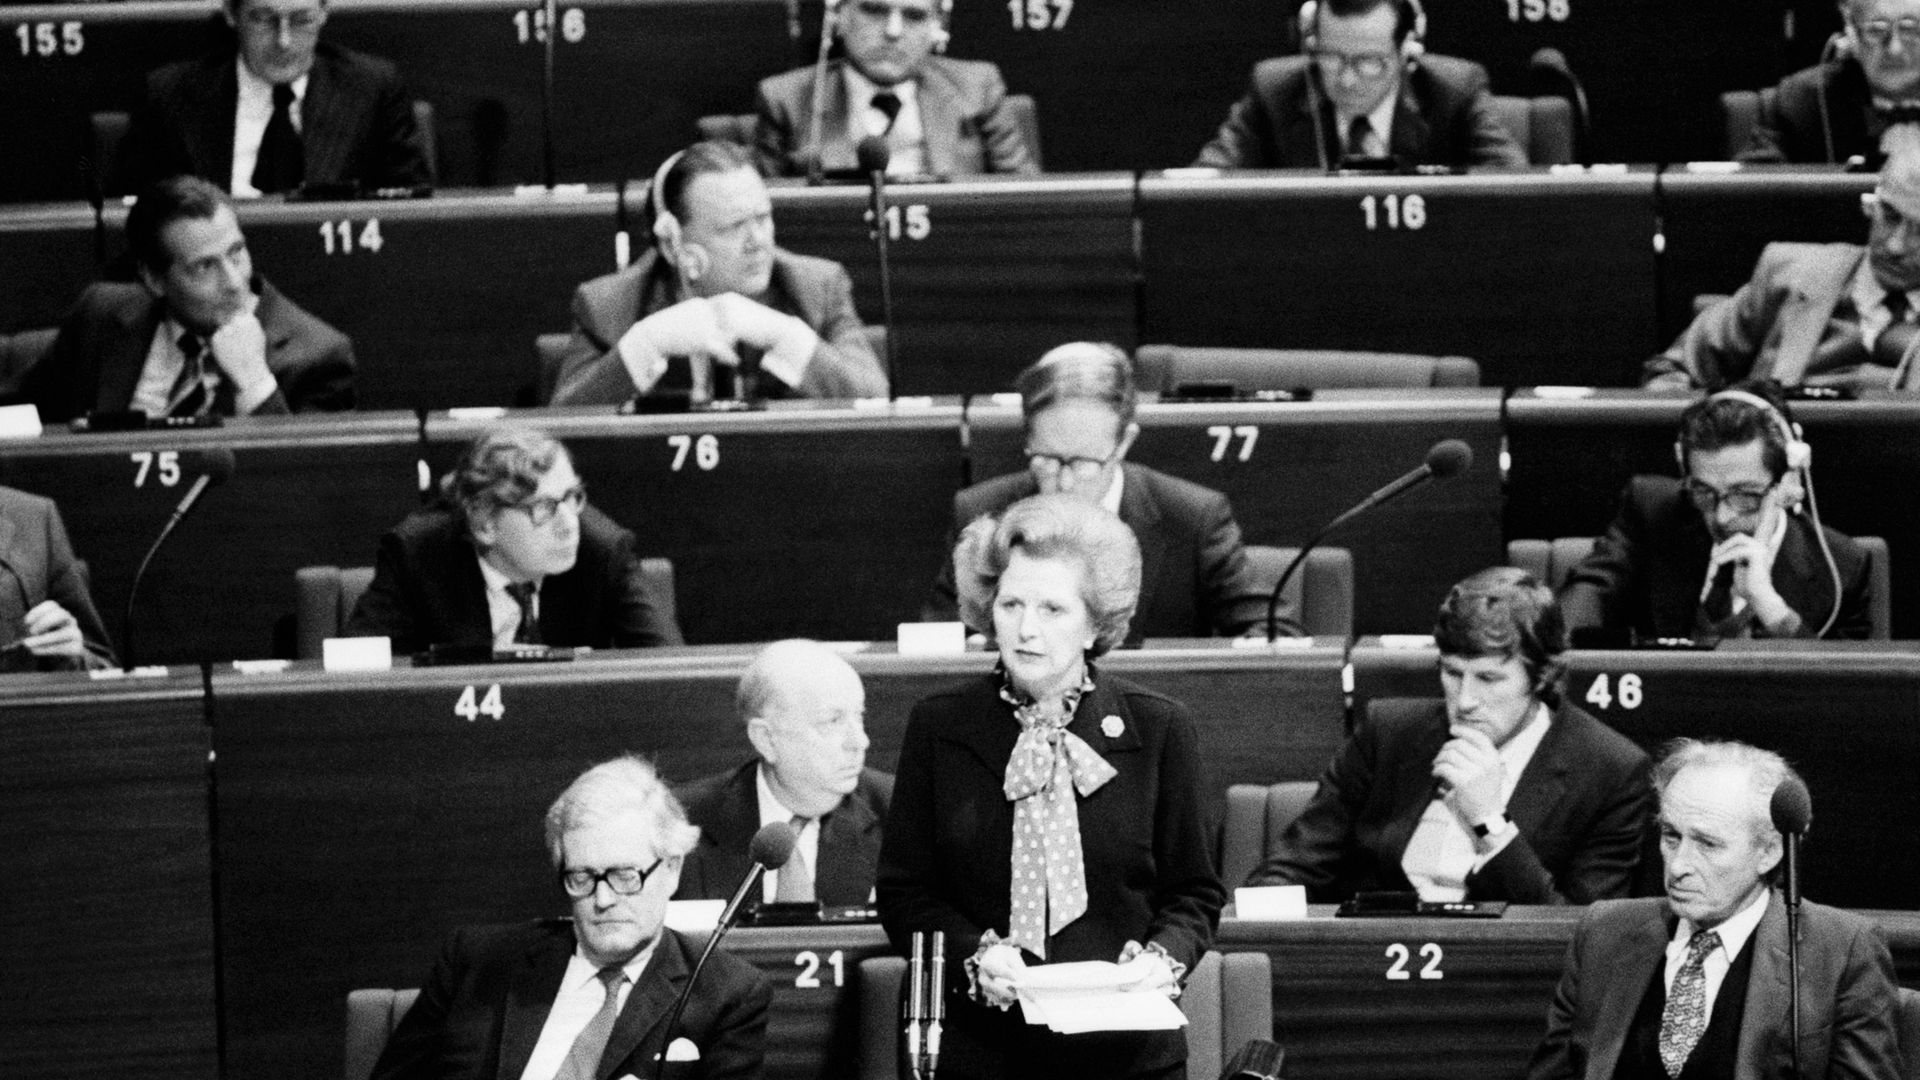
column 1088, row 996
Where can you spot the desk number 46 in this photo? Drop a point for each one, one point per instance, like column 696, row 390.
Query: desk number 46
column 472, row 705
column 1626, row 690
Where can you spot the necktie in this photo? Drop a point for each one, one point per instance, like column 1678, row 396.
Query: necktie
column 189, row 396
column 1048, row 765
column 795, row 883
column 1684, row 1019
column 1890, row 348
column 889, row 105
column 1357, row 135
column 282, row 163
column 528, row 633
column 583, row 1060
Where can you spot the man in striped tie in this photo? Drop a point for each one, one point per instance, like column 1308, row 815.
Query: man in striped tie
column 589, row 997
column 1695, row 984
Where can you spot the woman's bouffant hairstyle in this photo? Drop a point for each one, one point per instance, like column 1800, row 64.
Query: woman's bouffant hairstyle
column 1053, row 527
column 1505, row 612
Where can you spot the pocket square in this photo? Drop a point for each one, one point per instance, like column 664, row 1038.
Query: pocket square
column 682, row 1049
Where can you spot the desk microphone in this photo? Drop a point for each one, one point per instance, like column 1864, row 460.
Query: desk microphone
column 815, row 151
column 772, row 846
column 1447, row 458
column 874, row 157
column 1551, row 62
column 214, row 467
column 1792, row 810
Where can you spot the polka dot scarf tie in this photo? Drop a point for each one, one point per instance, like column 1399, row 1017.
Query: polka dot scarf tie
column 1684, row 1019
column 1049, row 764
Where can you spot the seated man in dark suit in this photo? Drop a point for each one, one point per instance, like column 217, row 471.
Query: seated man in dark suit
column 574, row 999
column 1364, row 89
column 199, row 335
column 714, row 290
column 1727, row 551
column 1839, row 109
column 276, row 110
column 46, row 614
column 1504, row 791
column 1820, row 314
column 1078, row 402
column 1694, row 984
column 805, row 713
column 940, row 117
column 513, row 556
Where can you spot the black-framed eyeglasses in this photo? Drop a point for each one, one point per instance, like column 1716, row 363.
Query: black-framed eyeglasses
column 1368, row 65
column 1082, row 468
column 1707, row 499
column 625, row 880
column 1881, row 32
column 542, row 510
column 881, row 12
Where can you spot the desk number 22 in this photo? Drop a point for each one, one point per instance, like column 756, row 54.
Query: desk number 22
column 1399, row 954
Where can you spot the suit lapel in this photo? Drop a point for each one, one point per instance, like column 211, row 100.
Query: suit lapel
column 1806, row 589
column 1620, row 982
column 988, row 728
column 646, row 1008
column 276, row 321
column 1543, row 781
column 1413, row 786
column 213, row 128
column 323, row 115
column 1410, row 128
column 1765, row 1015
column 530, row 997
column 1804, row 317
column 940, row 121
column 846, row 836
column 467, row 598
column 1302, row 138
column 836, row 141
column 1141, row 511
column 122, row 360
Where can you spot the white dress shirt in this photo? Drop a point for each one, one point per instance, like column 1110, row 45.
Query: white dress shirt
column 164, row 362
column 1734, row 933
column 1440, row 854
column 907, row 140
column 808, row 846
column 580, row 997
column 1380, row 120
column 250, row 117
column 503, row 611
column 1870, row 303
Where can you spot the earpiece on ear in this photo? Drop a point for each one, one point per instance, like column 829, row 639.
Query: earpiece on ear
column 666, row 229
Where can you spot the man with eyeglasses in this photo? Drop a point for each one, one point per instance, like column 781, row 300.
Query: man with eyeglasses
column 1364, row 89
column 1078, row 405
column 1725, row 551
column 1841, row 108
column 586, row 997
column 940, row 116
column 512, row 556
column 1838, row 315
column 804, row 711
column 276, row 110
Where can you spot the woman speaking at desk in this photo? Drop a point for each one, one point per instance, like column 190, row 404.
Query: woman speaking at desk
column 1047, row 812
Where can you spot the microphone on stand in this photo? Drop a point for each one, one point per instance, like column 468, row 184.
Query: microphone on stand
column 817, row 112
column 1448, row 458
column 874, row 157
column 1792, row 810
column 772, row 846
column 1550, row 62
column 925, row 1005
column 214, row 467
column 915, row 1005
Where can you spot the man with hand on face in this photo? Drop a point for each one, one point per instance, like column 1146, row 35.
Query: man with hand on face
column 1504, row 791
column 805, row 713
column 1841, row 108
column 940, row 117
column 276, row 110
column 200, row 335
column 1726, row 551
column 586, row 997
column 1820, row 314
column 1364, row 89
column 1695, row 984
column 513, row 556
column 715, row 308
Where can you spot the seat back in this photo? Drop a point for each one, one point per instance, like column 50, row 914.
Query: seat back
column 19, row 354
column 1740, row 112
column 1322, row 590
column 549, row 350
column 1026, row 116
column 727, row 127
column 1257, row 816
column 371, row 1017
column 1165, row 367
column 1907, row 1016
column 324, row 596
column 106, row 131
column 1879, row 591
column 1543, row 126
column 428, row 135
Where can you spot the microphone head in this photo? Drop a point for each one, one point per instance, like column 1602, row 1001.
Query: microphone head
column 1449, row 458
column 773, row 845
column 1792, row 807
column 216, row 464
column 1548, row 58
column 874, row 154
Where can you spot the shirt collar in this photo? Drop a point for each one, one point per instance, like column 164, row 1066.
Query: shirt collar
column 1380, row 119
column 860, row 90
column 1734, row 932
column 1110, row 502
column 771, row 808
column 581, row 971
column 1520, row 749
column 497, row 581
column 253, row 86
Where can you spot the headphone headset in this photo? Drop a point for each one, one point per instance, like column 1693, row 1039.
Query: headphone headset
column 689, row 259
column 1799, row 452
column 1412, row 14
column 942, row 31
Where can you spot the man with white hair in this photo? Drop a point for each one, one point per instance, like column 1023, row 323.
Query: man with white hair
column 804, row 711
column 1842, row 108
column 586, row 997
column 1820, row 314
column 1694, row 984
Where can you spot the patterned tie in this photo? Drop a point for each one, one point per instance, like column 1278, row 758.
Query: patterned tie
column 1684, row 1019
column 1048, row 765
column 583, row 1060
column 793, row 882
column 1358, row 134
column 282, row 163
column 528, row 632
column 189, row 396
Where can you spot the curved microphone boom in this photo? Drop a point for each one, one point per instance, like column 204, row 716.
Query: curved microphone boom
column 1792, row 812
column 875, row 156
column 1445, row 460
column 214, row 467
column 1553, row 62
column 772, row 846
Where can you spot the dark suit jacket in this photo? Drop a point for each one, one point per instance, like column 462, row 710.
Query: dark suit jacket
column 1195, row 580
column 357, row 124
column 1847, row 1001
column 1582, row 808
column 96, row 361
column 427, row 590
column 1792, row 130
column 480, row 1013
column 1445, row 117
column 816, row 290
column 962, row 111
column 726, row 806
column 36, row 555
column 1645, row 574
column 945, row 862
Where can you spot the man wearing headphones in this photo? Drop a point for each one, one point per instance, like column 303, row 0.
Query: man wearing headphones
column 1820, row 314
column 1840, row 109
column 1731, row 549
column 940, row 117
column 715, row 310
column 1364, row 89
